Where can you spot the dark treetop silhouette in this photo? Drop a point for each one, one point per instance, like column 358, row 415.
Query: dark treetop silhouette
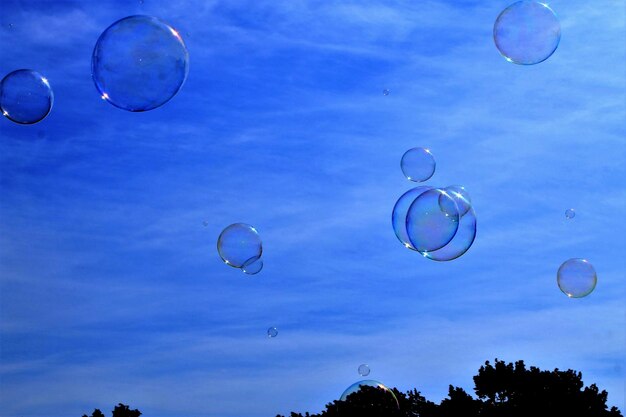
column 120, row 410
column 503, row 390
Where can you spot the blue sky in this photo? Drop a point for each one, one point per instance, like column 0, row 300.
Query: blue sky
column 111, row 288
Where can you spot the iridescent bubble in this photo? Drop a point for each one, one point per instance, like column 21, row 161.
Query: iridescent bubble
column 272, row 332
column 25, row 96
column 418, row 164
column 385, row 92
column 253, row 267
column 139, row 63
column 576, row 278
column 239, row 244
column 400, row 210
column 364, row 370
column 570, row 214
column 379, row 394
column 428, row 226
column 527, row 32
column 460, row 243
column 460, row 196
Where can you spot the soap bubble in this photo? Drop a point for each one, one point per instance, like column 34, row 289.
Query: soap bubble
column 576, row 278
column 428, row 226
column 239, row 244
column 364, row 370
column 460, row 196
column 379, row 394
column 570, row 214
column 400, row 210
column 254, row 266
column 272, row 332
column 527, row 32
column 418, row 164
column 205, row 223
column 25, row 96
column 460, row 243
column 139, row 63
column 385, row 92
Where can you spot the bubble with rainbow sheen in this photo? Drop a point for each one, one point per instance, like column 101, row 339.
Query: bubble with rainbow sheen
column 25, row 96
column 418, row 164
column 139, row 63
column 239, row 244
column 432, row 220
column 381, row 397
column 527, row 32
column 576, row 278
column 399, row 212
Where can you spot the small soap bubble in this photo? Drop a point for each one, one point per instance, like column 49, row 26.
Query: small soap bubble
column 25, row 97
column 461, row 197
column 376, row 392
column 418, row 164
column 385, row 92
column 570, row 214
column 239, row 244
column 527, row 32
column 272, row 332
column 253, row 267
column 205, row 223
column 576, row 277
column 364, row 370
column 139, row 63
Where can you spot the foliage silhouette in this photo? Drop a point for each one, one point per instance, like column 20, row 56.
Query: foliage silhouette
column 120, row 410
column 502, row 389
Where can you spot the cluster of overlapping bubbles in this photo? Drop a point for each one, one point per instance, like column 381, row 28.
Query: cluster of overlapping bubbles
column 439, row 223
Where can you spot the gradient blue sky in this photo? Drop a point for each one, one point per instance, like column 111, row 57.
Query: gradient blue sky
column 111, row 287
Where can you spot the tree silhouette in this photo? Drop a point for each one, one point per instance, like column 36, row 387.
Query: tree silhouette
column 502, row 389
column 120, row 410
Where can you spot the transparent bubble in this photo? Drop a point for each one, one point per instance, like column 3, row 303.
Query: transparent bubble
column 385, row 92
column 527, row 32
column 239, row 244
column 378, row 393
column 400, row 210
column 364, row 370
column 460, row 196
column 272, row 332
column 253, row 267
column 25, row 96
column 460, row 243
column 570, row 214
column 205, row 223
column 576, row 278
column 429, row 226
column 139, row 63
column 418, row 164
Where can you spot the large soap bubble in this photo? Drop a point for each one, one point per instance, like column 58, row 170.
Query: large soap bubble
column 379, row 395
column 432, row 220
column 139, row 63
column 527, row 32
column 418, row 164
column 239, row 244
column 576, row 277
column 460, row 196
column 25, row 96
